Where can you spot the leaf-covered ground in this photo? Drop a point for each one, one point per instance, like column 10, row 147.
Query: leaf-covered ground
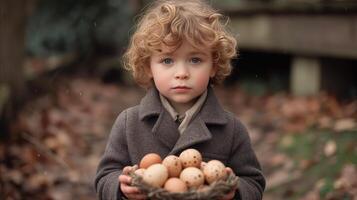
column 306, row 145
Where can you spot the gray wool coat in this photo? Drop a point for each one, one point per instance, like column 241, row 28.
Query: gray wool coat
column 148, row 128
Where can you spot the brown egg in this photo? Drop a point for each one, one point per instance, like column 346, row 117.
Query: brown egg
column 191, row 158
column 175, row 185
column 173, row 165
column 193, row 177
column 150, row 159
column 203, row 165
column 214, row 170
column 156, row 175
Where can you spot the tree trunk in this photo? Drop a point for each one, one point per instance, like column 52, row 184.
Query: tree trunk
column 12, row 33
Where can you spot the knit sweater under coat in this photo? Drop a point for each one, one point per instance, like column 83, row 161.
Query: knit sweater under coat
column 148, row 128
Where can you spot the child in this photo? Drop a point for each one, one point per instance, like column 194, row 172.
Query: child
column 180, row 49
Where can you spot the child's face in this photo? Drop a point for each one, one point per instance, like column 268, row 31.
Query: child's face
column 183, row 75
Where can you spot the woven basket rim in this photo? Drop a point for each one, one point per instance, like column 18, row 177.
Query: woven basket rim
column 215, row 190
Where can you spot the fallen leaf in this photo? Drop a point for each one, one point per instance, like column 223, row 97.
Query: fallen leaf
column 306, row 163
column 330, row 148
column 278, row 159
column 287, row 141
column 325, row 122
column 345, row 124
column 281, row 177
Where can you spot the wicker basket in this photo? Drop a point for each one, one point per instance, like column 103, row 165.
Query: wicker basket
column 216, row 190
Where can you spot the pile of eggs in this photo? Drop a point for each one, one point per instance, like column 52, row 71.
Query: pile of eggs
column 180, row 173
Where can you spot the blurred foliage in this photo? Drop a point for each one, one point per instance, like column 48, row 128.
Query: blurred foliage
column 4, row 95
column 82, row 26
column 322, row 155
column 287, row 5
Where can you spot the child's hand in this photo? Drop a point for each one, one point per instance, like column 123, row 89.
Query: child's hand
column 231, row 194
column 125, row 185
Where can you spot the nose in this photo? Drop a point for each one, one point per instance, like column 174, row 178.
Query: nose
column 182, row 72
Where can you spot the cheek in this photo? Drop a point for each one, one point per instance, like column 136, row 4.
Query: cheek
column 161, row 79
column 202, row 81
column 159, row 82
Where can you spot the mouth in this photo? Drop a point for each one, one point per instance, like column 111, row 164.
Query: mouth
column 181, row 89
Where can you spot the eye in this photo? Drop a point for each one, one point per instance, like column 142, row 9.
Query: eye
column 196, row 60
column 167, row 61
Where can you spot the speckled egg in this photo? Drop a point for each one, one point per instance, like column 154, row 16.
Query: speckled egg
column 156, row 175
column 173, row 165
column 175, row 185
column 214, row 170
column 193, row 177
column 150, row 159
column 203, row 165
column 191, row 158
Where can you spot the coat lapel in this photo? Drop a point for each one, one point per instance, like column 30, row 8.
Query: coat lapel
column 166, row 130
column 198, row 129
column 196, row 132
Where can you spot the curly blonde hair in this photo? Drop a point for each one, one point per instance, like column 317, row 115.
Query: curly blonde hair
column 169, row 22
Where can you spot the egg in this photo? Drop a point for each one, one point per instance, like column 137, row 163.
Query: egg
column 175, row 185
column 156, row 175
column 192, row 176
column 214, row 170
column 149, row 159
column 173, row 165
column 203, row 165
column 191, row 158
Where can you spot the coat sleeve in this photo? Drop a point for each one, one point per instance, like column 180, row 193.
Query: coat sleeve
column 114, row 159
column 246, row 166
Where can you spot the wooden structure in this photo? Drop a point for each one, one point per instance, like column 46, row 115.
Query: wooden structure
column 306, row 31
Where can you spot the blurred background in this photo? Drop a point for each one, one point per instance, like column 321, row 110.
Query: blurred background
column 62, row 84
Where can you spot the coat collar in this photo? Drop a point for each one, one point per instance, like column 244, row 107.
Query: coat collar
column 150, row 105
column 211, row 113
